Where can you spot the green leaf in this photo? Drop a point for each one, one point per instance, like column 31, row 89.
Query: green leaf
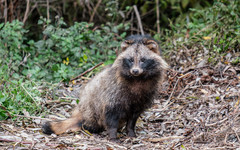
column 85, row 58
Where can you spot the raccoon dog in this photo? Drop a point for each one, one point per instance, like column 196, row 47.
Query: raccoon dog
column 119, row 94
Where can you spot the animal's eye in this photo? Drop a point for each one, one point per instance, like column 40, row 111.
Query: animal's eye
column 131, row 60
column 142, row 59
column 129, row 42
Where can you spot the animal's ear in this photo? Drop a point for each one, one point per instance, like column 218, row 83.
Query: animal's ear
column 125, row 44
column 153, row 46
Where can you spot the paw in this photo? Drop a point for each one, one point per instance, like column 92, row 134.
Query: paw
column 131, row 134
column 115, row 140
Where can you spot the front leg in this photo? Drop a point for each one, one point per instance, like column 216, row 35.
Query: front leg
column 112, row 122
column 131, row 123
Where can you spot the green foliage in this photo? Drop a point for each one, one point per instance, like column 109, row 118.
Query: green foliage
column 64, row 52
column 18, row 97
column 12, row 49
column 220, row 23
column 67, row 52
column 216, row 28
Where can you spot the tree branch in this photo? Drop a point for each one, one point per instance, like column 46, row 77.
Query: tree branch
column 139, row 19
column 26, row 12
column 87, row 71
column 94, row 11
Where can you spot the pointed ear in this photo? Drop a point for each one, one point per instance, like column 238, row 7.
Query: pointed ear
column 126, row 44
column 153, row 46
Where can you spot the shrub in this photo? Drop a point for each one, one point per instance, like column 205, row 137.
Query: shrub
column 62, row 53
column 214, row 30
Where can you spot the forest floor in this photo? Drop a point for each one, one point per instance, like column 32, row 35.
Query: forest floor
column 198, row 108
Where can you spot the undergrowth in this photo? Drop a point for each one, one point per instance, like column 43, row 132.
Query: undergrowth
column 215, row 29
column 60, row 54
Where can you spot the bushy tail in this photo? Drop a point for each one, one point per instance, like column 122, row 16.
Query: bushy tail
column 59, row 127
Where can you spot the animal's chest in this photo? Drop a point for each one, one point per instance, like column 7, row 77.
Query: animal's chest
column 139, row 88
column 135, row 102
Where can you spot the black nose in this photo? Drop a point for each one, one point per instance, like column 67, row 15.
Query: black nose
column 135, row 72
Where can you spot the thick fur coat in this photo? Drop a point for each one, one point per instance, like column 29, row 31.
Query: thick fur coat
column 119, row 94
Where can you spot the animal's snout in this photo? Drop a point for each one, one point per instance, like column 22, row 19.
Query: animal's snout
column 135, row 71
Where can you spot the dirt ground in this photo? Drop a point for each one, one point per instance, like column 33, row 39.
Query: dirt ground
column 197, row 108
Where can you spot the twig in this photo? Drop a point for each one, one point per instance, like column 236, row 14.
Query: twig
column 29, row 94
column 166, row 106
column 94, row 10
column 10, row 7
column 32, row 117
column 139, row 19
column 158, row 17
column 8, row 140
column 48, row 10
column 236, row 134
column 165, row 138
column 215, row 123
column 56, row 146
column 183, row 91
column 24, row 60
column 26, row 12
column 58, row 105
column 60, row 101
column 171, row 93
column 87, row 71
column 5, row 11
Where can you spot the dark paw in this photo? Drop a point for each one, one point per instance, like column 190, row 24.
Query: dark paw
column 131, row 134
column 46, row 128
column 115, row 140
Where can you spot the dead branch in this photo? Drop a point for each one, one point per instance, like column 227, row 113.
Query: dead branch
column 158, row 17
column 48, row 10
column 165, row 138
column 171, row 93
column 8, row 140
column 33, row 117
column 94, row 10
column 87, row 71
column 139, row 19
column 5, row 11
column 26, row 12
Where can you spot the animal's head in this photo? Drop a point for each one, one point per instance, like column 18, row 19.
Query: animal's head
column 140, row 58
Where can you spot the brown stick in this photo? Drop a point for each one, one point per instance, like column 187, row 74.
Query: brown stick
column 11, row 15
column 169, row 99
column 165, row 138
column 26, row 12
column 5, row 11
column 32, row 117
column 94, row 10
column 48, row 10
column 90, row 69
column 139, row 19
column 158, row 16
column 23, row 142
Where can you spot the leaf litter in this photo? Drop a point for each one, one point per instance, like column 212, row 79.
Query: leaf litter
column 197, row 108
